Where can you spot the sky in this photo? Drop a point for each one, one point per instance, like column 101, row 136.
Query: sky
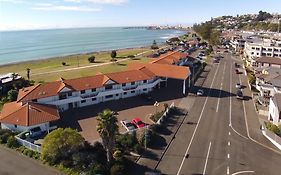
column 43, row 14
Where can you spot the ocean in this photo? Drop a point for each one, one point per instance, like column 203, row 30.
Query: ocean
column 17, row 46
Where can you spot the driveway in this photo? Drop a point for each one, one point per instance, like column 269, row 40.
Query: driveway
column 12, row 163
column 84, row 119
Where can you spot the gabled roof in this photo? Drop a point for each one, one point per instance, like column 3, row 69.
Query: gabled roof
column 162, row 70
column 169, row 58
column 28, row 114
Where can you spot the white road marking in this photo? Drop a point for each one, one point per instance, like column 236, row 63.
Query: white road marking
column 230, row 107
column 218, row 104
column 227, row 170
column 228, row 156
column 241, row 172
column 229, row 133
column 198, row 122
column 228, row 143
column 207, row 157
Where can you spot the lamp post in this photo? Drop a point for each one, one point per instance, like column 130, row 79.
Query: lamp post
column 156, row 104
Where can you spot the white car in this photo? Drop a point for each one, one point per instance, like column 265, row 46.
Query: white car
column 128, row 125
column 200, row 92
column 238, row 86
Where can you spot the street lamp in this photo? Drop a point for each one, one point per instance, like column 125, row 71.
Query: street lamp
column 156, row 104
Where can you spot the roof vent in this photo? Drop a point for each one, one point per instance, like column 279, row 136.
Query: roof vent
column 44, row 93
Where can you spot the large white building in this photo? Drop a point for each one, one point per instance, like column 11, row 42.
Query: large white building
column 261, row 48
column 274, row 114
column 74, row 93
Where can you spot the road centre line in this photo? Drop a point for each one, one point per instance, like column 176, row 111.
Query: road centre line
column 228, row 143
column 227, row 170
column 218, row 103
column 207, row 157
column 228, row 156
column 198, row 122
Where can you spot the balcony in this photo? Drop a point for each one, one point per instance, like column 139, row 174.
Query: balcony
column 89, row 95
column 130, row 88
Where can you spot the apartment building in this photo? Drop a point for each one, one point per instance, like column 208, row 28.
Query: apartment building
column 261, row 48
column 38, row 101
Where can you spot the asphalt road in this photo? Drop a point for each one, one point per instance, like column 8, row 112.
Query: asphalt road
column 12, row 163
column 221, row 133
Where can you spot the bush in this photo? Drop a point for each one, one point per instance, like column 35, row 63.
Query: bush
column 12, row 142
column 138, row 149
column 270, row 126
column 117, row 169
column 157, row 116
column 28, row 152
column 97, row 169
column 131, row 56
column 21, row 149
column 63, row 63
column 126, row 141
column 4, row 135
column 92, row 59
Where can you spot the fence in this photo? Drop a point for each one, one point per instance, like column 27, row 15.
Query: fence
column 28, row 145
column 275, row 139
column 161, row 119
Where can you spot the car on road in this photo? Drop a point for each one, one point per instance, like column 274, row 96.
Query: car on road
column 128, row 125
column 239, row 94
column 138, row 123
column 236, row 65
column 237, row 71
column 238, row 86
column 200, row 92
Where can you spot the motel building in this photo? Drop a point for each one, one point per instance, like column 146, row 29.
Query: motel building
column 39, row 105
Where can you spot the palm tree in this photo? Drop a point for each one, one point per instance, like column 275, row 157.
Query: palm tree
column 28, row 73
column 107, row 128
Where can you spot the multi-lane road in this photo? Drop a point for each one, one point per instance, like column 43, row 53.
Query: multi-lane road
column 221, row 134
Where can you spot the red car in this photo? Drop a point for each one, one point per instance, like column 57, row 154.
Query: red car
column 138, row 123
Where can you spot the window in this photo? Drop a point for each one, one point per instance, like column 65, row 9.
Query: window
column 145, row 89
column 69, row 94
column 117, row 95
column 269, row 49
column 83, row 101
column 125, row 93
column 109, row 96
column 133, row 83
column 252, row 53
column 34, row 100
column 263, row 54
column 133, row 92
column 94, row 99
column 144, row 81
column 15, row 126
column 108, row 87
column 124, row 84
column 276, row 50
column 257, row 48
column 82, row 92
column 94, row 90
column 62, row 96
column 268, row 54
column 253, row 48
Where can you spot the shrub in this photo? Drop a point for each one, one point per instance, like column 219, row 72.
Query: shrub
column 113, row 54
column 117, row 169
column 28, row 152
column 138, row 148
column 12, row 142
column 270, row 126
column 126, row 141
column 131, row 56
column 63, row 63
column 4, row 135
column 92, row 59
column 154, row 45
column 97, row 169
column 21, row 149
column 155, row 117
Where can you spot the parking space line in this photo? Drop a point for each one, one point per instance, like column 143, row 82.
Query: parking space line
column 218, row 103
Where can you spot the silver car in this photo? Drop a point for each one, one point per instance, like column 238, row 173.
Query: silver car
column 128, row 125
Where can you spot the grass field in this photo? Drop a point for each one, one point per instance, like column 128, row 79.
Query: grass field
column 54, row 64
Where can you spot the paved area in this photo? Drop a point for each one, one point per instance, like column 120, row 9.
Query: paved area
column 12, row 163
column 221, row 134
column 84, row 119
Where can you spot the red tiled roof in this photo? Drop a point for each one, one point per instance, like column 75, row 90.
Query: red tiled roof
column 28, row 114
column 169, row 58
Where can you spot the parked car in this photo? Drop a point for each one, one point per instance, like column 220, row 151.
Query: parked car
column 237, row 71
column 200, row 92
column 138, row 123
column 128, row 125
column 238, row 85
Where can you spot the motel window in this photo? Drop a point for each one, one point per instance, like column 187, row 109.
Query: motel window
column 253, row 47
column 82, row 92
column 133, row 83
column 124, row 84
column 15, row 126
column 257, row 48
column 109, row 96
column 268, row 54
column 269, row 49
column 69, row 94
column 132, row 92
column 263, row 54
column 93, row 90
column 94, row 99
column 108, row 87
column 125, row 93
column 145, row 89
column 117, row 95
column 252, row 53
column 144, row 81
column 83, row 101
column 34, row 100
column 276, row 50
column 258, row 53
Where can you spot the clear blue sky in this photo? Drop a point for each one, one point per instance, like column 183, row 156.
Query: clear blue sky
column 30, row 14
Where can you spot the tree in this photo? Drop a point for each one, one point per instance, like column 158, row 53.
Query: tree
column 113, row 54
column 12, row 95
column 107, row 128
column 92, row 59
column 154, row 45
column 28, row 73
column 60, row 144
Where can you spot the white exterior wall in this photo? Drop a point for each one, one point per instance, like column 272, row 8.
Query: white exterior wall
column 43, row 126
column 273, row 112
column 118, row 91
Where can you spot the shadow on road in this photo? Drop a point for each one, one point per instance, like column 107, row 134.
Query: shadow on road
column 211, row 92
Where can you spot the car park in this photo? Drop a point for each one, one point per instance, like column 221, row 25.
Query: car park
column 138, row 123
column 200, row 92
column 128, row 125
